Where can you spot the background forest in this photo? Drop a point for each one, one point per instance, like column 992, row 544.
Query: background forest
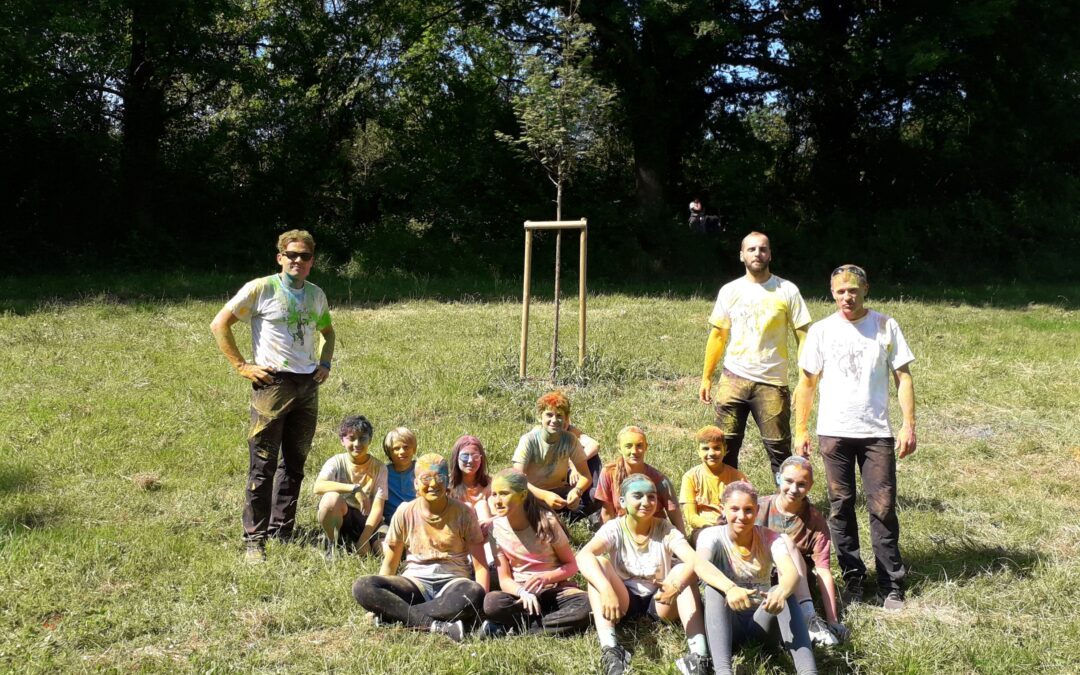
column 925, row 139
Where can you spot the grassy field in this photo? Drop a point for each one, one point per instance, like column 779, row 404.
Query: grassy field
column 122, row 460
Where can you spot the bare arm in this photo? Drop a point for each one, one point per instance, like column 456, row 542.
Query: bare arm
column 677, row 583
column 479, row 563
column 372, row 523
column 714, row 349
column 391, row 559
column 584, row 480
column 221, row 327
column 905, row 392
column 326, row 355
column 800, row 338
column 828, row 592
column 738, row 598
column 789, row 580
column 804, row 403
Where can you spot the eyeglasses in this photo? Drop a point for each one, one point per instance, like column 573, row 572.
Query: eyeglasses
column 298, row 255
column 430, row 478
column 468, row 458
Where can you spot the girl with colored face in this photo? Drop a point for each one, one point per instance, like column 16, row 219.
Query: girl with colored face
column 444, row 579
column 736, row 562
column 630, row 570
column 632, row 446
column 535, row 564
column 469, row 480
column 791, row 514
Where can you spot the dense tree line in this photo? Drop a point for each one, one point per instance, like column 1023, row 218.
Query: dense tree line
column 927, row 139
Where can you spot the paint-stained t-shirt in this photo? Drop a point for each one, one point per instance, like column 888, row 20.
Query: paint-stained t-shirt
column 807, row 528
column 401, row 488
column 547, row 464
column 759, row 317
column 703, row 489
column 371, row 477
column 750, row 572
column 855, row 360
column 607, row 491
column 641, row 566
column 526, row 553
column 284, row 322
column 436, row 545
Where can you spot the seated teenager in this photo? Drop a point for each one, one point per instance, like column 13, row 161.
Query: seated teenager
column 535, row 565
column 546, row 454
column 400, row 447
column 703, row 484
column 632, row 446
column 790, row 513
column 630, row 570
column 436, row 590
column 736, row 562
column 469, row 480
column 352, row 489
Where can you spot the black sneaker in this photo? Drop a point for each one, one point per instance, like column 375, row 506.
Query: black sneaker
column 491, row 630
column 853, row 590
column 455, row 630
column 893, row 601
column 614, row 660
column 693, row 664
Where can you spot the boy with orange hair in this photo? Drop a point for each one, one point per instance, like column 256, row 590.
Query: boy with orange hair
column 703, row 485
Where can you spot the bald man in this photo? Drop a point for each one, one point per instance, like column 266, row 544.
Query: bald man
column 750, row 324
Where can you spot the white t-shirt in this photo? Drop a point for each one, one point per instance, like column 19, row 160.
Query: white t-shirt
column 759, row 316
column 642, row 568
column 855, row 360
column 372, row 478
column 755, row 572
column 283, row 322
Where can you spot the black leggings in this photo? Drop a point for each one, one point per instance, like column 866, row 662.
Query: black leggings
column 398, row 599
column 562, row 611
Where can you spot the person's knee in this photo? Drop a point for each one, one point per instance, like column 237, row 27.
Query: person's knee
column 881, row 505
column 473, row 592
column 361, row 591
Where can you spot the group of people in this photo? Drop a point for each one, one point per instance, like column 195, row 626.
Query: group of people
column 466, row 550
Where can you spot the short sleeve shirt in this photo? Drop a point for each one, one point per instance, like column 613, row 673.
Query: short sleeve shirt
column 753, row 572
column 527, row 554
column 807, row 528
column 436, row 545
column 401, row 489
column 547, row 464
column 608, row 492
column 759, row 317
column 641, row 567
column 283, row 322
column 371, row 478
column 704, row 488
column 855, row 360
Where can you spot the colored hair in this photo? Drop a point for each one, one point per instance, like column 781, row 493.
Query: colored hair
column 397, row 434
column 457, row 477
column 357, row 424
column 555, row 400
column 710, row 434
column 795, row 460
column 541, row 518
column 289, row 237
column 634, row 478
column 432, row 462
column 620, row 468
column 739, row 486
column 850, row 269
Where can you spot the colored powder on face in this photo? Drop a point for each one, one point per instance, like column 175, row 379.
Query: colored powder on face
column 432, row 463
column 512, row 479
column 643, row 485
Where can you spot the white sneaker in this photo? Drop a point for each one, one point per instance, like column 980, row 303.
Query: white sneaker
column 820, row 634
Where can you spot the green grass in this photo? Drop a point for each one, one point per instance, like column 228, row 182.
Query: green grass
column 98, row 573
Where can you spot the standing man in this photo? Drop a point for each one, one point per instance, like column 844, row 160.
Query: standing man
column 751, row 320
column 284, row 311
column 851, row 355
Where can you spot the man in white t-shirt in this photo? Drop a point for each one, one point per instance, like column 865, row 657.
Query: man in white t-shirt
column 850, row 356
column 285, row 312
column 751, row 320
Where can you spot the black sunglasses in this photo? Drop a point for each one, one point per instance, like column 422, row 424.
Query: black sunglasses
column 302, row 255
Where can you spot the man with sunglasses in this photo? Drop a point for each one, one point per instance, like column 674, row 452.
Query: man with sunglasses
column 850, row 355
column 288, row 365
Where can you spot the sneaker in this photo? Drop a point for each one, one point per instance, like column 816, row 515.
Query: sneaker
column 254, row 553
column 693, row 664
column 614, row 660
column 853, row 590
column 490, row 630
column 840, row 631
column 893, row 601
column 820, row 634
column 455, row 630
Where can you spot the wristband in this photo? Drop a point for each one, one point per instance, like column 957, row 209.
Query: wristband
column 325, row 364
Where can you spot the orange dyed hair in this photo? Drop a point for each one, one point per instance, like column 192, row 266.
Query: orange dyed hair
column 295, row 235
column 553, row 400
column 710, row 434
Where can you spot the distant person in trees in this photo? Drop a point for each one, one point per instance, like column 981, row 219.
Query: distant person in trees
column 285, row 312
column 352, row 489
column 750, row 323
column 443, row 584
column 700, row 222
column 850, row 355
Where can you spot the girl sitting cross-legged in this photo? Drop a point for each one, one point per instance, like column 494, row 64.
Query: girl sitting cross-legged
column 436, row 591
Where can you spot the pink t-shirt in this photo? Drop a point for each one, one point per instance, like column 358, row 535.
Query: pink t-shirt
column 527, row 554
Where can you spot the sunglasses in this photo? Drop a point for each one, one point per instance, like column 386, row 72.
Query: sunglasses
column 298, row 255
column 853, row 269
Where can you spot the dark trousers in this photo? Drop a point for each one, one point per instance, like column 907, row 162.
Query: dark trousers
column 726, row 629
column 877, row 464
column 399, row 600
column 563, row 610
column 283, row 418
column 736, row 399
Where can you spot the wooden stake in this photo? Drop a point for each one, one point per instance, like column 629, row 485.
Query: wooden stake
column 526, row 295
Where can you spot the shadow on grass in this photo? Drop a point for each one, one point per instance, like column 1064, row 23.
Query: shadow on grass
column 14, row 478
column 960, row 557
column 23, row 519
